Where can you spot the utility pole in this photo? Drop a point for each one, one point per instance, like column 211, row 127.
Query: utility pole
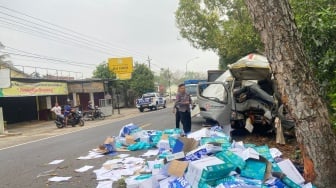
column 169, row 85
column 149, row 60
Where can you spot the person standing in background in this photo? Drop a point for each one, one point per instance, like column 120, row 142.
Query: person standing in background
column 177, row 114
column 183, row 101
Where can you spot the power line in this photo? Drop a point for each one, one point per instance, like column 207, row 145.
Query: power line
column 54, row 35
column 48, row 58
column 52, row 58
column 61, row 31
column 76, row 34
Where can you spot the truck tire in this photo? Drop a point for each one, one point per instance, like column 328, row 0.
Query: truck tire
column 141, row 109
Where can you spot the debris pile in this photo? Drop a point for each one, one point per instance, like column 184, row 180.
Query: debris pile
column 205, row 158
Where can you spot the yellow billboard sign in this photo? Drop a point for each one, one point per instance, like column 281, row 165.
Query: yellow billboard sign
column 121, row 65
column 34, row 89
column 124, row 76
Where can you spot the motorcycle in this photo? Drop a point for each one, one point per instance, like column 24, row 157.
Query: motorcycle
column 94, row 114
column 74, row 118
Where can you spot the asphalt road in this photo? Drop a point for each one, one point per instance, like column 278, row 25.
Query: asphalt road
column 26, row 165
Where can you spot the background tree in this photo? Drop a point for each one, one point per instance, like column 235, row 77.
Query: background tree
column 142, row 80
column 115, row 87
column 317, row 23
column 164, row 79
column 294, row 77
column 219, row 25
column 102, row 71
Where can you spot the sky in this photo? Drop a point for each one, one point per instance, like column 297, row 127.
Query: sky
column 81, row 34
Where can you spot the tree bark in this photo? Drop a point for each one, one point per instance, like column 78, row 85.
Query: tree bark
column 275, row 22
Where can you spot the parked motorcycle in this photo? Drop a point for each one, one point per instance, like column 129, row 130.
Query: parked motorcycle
column 74, row 118
column 94, row 114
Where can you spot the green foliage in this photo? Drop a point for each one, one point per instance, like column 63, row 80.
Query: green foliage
column 142, row 80
column 102, row 71
column 317, row 22
column 223, row 26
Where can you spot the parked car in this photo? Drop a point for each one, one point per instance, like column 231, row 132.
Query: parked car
column 151, row 101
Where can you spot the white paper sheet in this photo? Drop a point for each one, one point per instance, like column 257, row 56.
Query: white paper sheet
column 105, row 184
column 275, row 152
column 151, row 153
column 197, row 135
column 91, row 155
column 57, row 161
column 84, row 168
column 59, row 179
column 103, row 174
column 123, row 155
column 134, row 160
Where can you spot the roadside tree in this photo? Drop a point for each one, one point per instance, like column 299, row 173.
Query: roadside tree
column 222, row 26
column 142, row 80
column 294, row 77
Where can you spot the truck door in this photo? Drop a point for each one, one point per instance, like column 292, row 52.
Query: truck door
column 215, row 104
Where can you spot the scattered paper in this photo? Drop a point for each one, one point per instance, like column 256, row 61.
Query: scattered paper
column 103, row 174
column 84, row 168
column 150, row 153
column 197, row 135
column 105, row 184
column 123, row 155
column 59, row 179
column 275, row 153
column 56, row 161
column 92, row 155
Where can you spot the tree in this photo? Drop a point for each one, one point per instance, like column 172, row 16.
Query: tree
column 275, row 22
column 102, row 71
column 219, row 25
column 142, row 80
column 317, row 22
column 164, row 79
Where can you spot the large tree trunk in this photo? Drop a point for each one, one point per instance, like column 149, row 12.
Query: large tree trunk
column 275, row 22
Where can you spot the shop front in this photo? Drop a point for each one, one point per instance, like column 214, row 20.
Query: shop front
column 31, row 99
column 82, row 92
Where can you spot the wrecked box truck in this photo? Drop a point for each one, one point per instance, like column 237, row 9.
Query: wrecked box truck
column 243, row 97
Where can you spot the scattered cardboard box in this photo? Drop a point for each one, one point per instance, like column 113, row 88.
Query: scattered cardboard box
column 177, row 168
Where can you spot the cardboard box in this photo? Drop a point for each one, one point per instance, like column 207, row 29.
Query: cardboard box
column 292, row 173
column 129, row 140
column 139, row 181
column 254, row 169
column 175, row 156
column 232, row 158
column 177, row 168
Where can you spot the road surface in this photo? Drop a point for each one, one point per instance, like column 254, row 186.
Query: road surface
column 26, row 164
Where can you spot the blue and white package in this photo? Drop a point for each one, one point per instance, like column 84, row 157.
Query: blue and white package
column 179, row 182
column 196, row 154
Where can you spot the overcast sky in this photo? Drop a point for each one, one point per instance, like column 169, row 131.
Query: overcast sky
column 91, row 31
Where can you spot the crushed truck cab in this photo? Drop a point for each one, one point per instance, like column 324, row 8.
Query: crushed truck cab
column 243, row 97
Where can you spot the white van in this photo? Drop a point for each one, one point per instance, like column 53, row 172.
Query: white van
column 242, row 96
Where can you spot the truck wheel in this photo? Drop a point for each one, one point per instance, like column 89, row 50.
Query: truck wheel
column 141, row 109
column 164, row 105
